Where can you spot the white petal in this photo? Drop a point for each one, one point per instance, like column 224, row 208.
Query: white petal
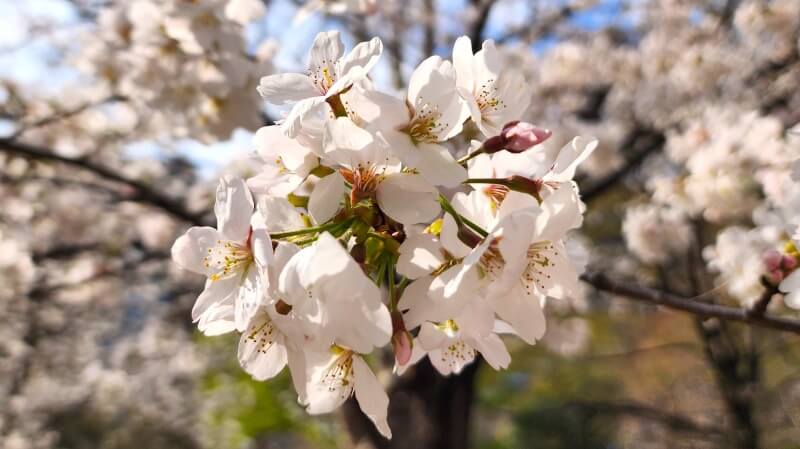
column 480, row 167
column 493, row 350
column 215, row 292
column 421, row 77
column 276, row 148
column 378, row 109
column 234, row 208
column 430, row 338
column 476, row 207
column 522, row 312
column 190, row 250
column 408, row 199
column 274, row 180
column 326, row 197
column 296, row 360
column 561, row 211
column 450, row 240
column 349, row 145
column 300, row 113
column 326, row 51
column 372, row 399
column 260, row 242
column 280, row 215
column 286, row 88
column 575, row 152
column 438, row 166
column 420, row 254
column 463, row 62
column 415, row 302
column 354, row 313
column 792, row 299
column 515, row 202
column 249, row 295
column 262, row 353
column 329, row 381
column 217, row 320
column 453, row 357
column 364, row 55
column 791, row 283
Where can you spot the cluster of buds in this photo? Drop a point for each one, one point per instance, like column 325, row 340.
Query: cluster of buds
column 345, row 242
column 780, row 264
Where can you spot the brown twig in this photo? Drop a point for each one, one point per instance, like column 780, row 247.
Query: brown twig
column 705, row 310
column 142, row 192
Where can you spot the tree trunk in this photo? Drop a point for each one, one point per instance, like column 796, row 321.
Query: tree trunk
column 737, row 376
column 426, row 411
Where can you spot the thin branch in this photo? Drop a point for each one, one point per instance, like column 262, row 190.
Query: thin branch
column 143, row 192
column 63, row 115
column 638, row 410
column 478, row 28
column 646, row 143
column 706, row 310
column 760, row 306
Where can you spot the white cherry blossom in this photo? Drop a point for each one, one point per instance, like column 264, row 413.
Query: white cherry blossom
column 334, row 375
column 234, row 257
column 415, row 128
column 494, row 92
column 329, row 74
column 333, row 298
column 371, row 172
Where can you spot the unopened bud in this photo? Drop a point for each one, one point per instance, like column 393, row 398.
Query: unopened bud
column 519, row 136
column 468, row 237
column 772, row 260
column 402, row 342
column 494, row 144
column 788, row 263
column 522, row 184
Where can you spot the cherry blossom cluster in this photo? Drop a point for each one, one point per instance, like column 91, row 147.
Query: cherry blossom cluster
column 362, row 230
column 185, row 62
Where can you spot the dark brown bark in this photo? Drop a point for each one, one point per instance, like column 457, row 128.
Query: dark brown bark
column 426, row 411
column 737, row 373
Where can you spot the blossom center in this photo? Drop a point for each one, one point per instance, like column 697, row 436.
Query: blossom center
column 364, row 178
column 339, row 375
column 496, row 193
column 228, row 259
column 263, row 336
column 426, row 125
column 539, row 264
column 323, row 77
column 487, row 98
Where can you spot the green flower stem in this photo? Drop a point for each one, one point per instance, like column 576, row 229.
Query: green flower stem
column 460, row 219
column 392, row 286
column 310, row 230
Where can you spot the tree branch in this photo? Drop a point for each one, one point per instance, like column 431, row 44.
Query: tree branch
column 478, row 28
column 142, row 192
column 637, row 410
column 706, row 310
column 646, row 142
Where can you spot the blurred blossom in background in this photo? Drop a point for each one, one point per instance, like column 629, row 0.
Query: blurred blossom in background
column 117, row 118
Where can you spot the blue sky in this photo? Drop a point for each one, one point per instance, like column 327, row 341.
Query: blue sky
column 35, row 63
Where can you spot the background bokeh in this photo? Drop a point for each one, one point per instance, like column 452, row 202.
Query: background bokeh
column 117, row 117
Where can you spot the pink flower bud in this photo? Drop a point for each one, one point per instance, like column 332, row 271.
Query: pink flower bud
column 775, row 277
column 402, row 342
column 519, row 136
column 788, row 263
column 772, row 259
